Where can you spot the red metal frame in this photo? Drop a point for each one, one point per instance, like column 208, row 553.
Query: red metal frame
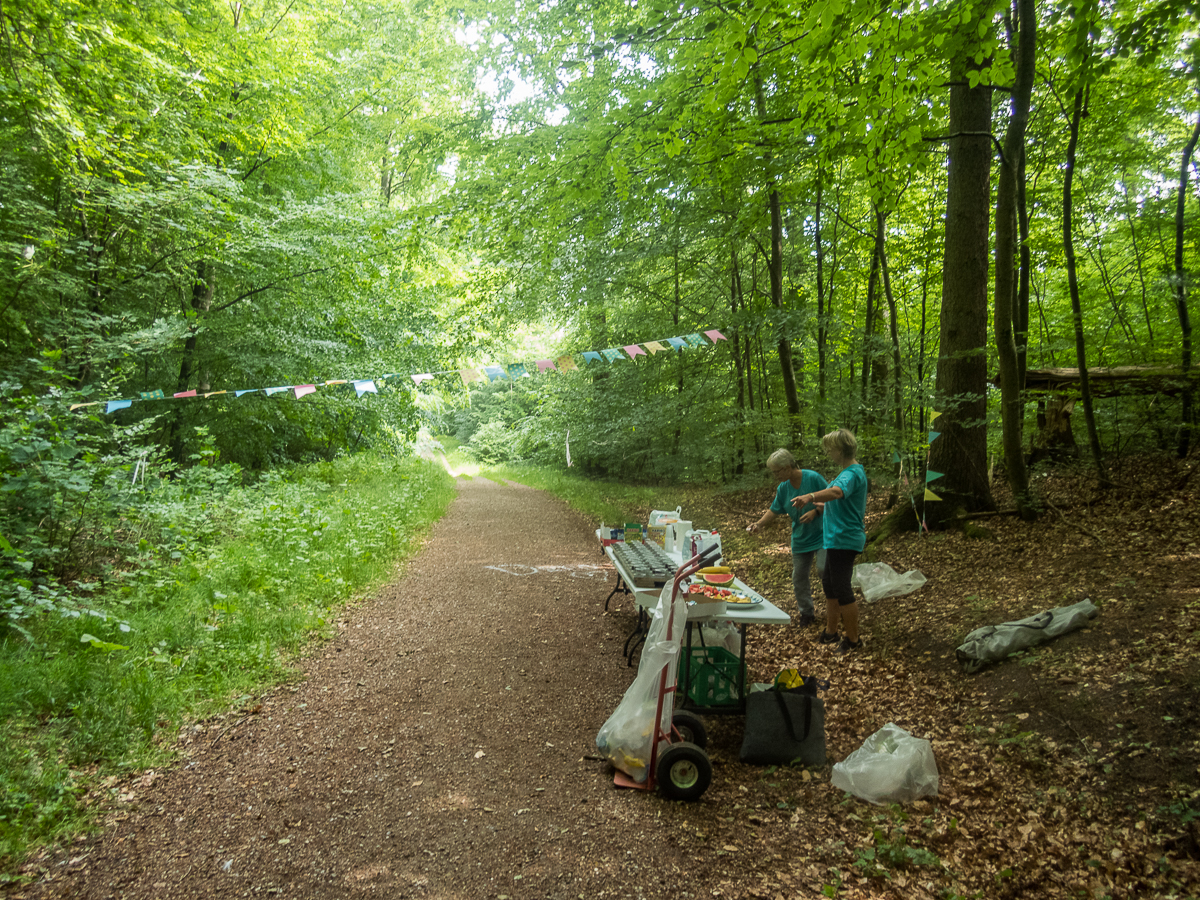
column 620, row 779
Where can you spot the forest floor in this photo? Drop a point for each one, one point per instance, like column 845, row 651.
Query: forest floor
column 442, row 745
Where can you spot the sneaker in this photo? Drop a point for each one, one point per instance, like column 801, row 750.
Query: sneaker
column 826, row 638
column 806, row 620
column 847, row 645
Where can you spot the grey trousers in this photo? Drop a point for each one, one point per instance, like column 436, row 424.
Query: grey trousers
column 802, row 564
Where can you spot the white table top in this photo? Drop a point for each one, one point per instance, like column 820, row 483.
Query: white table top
column 762, row 613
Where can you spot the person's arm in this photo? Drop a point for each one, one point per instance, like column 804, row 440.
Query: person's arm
column 823, row 496
column 767, row 518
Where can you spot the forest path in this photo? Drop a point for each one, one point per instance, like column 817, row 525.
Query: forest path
column 435, row 749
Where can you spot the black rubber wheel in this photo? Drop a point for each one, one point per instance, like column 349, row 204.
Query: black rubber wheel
column 690, row 727
column 684, row 771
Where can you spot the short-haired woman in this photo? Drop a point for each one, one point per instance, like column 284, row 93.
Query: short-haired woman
column 806, row 533
column 843, row 521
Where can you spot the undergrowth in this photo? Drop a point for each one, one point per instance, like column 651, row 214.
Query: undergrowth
column 228, row 581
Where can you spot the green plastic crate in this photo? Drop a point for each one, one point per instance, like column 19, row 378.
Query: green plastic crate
column 714, row 677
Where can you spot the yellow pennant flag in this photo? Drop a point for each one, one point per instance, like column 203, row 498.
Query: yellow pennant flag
column 655, row 347
column 933, row 416
column 566, row 364
column 930, row 495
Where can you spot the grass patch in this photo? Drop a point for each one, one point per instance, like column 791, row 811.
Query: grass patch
column 612, row 502
column 103, row 689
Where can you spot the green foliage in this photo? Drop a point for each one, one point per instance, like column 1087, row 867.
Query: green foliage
column 227, row 582
column 891, row 849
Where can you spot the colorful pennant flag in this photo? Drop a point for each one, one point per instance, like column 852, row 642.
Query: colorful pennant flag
column 303, row 390
column 895, row 456
column 613, row 355
column 214, row 393
column 517, row 370
column 276, row 390
column 469, row 375
column 493, row 372
column 677, row 343
column 544, row 364
column 931, row 475
column 633, row 350
column 695, row 340
column 113, row 405
column 153, row 395
column 417, row 379
column 247, row 391
column 367, row 387
column 714, row 335
column 933, row 435
column 342, row 381
column 930, row 495
column 185, row 394
column 655, row 347
column 933, row 416
column 592, row 356
column 566, row 364
column 75, row 406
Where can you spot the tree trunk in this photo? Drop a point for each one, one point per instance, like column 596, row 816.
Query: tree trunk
column 960, row 453
column 1012, row 400
column 894, row 327
column 821, row 323
column 1181, row 298
column 1085, row 388
column 785, row 344
column 739, row 461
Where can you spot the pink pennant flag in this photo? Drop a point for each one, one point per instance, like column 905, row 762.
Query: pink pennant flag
column 469, row 375
column 422, row 377
column 185, row 394
column 566, row 364
column 655, row 347
column 633, row 350
column 544, row 364
column 714, row 335
column 302, row 389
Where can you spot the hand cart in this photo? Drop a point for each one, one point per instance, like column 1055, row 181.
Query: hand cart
column 679, row 765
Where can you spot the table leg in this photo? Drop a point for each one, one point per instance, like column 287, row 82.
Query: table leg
column 640, row 630
column 619, row 589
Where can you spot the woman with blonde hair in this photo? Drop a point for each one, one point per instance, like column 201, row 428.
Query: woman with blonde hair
column 843, row 507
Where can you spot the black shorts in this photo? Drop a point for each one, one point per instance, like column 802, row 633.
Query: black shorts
column 839, row 566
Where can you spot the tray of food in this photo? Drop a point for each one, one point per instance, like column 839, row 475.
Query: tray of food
column 729, row 595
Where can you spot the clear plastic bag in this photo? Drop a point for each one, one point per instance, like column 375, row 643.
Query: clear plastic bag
column 627, row 738
column 877, row 580
column 665, row 516
column 891, row 766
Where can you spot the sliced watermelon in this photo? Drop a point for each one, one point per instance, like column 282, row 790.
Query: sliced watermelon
column 718, row 577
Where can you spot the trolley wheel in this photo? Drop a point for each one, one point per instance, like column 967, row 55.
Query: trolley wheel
column 690, row 727
column 684, row 771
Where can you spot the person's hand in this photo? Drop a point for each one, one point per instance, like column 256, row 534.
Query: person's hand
column 752, row 527
column 808, row 517
column 802, row 500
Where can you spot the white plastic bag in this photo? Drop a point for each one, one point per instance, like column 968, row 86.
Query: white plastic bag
column 665, row 516
column 891, row 766
column 627, row 738
column 722, row 634
column 877, row 580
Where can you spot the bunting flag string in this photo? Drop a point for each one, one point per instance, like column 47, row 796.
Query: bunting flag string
column 511, row 371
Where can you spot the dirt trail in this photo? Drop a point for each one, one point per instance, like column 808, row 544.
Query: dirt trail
column 434, row 749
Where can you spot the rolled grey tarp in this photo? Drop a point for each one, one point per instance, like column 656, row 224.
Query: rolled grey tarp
column 994, row 642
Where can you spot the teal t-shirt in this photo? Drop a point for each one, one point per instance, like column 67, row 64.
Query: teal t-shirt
column 808, row 536
column 844, row 520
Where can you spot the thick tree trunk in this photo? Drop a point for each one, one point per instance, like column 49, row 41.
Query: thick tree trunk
column 1181, row 299
column 1085, row 388
column 1012, row 400
column 894, row 328
column 960, row 453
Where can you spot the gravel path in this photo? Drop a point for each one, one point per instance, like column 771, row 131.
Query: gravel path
column 437, row 748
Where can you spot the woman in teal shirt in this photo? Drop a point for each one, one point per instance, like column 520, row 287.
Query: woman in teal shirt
column 806, row 533
column 843, row 506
